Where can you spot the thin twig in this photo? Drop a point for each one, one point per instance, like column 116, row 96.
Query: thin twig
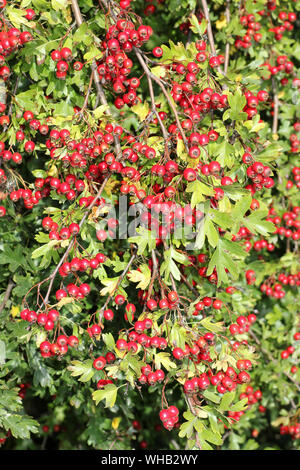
column 9, row 288
column 227, row 47
column 100, row 93
column 275, row 109
column 161, row 85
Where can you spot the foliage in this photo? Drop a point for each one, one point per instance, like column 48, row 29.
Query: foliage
column 200, row 139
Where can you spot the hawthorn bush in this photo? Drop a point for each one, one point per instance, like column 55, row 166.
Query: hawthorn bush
column 150, row 224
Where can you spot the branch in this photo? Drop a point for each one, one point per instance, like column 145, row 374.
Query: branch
column 210, row 33
column 100, row 93
column 3, row 92
column 161, row 85
column 227, row 47
column 276, row 108
column 9, row 288
column 118, row 284
column 191, row 406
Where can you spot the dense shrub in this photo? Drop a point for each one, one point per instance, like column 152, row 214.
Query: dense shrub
column 150, row 224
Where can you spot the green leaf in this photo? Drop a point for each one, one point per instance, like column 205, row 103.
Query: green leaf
column 240, row 405
column 169, row 266
column 109, row 394
column 143, row 240
column 222, row 260
column 211, row 232
column 211, row 396
column 256, row 224
column 42, row 250
column 142, row 276
column 109, row 341
column 198, row 190
column 163, row 359
column 210, row 326
column 212, row 437
column 84, row 370
column 196, row 27
column 226, row 401
column 237, row 102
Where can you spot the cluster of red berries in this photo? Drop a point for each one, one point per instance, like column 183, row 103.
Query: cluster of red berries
column 252, row 32
column 77, row 292
column 274, row 288
column 258, row 173
column 251, row 395
column 139, row 337
column 168, row 302
column 295, row 172
column 23, row 388
column 287, row 352
column 115, row 67
column 253, row 101
column 150, row 377
column 193, row 103
column 81, row 264
column 282, row 65
column 89, row 148
column 47, row 320
column 262, row 244
column 100, row 362
column 56, row 428
column 59, row 347
column 10, row 40
column 293, row 430
column 284, row 225
column 63, row 57
column 59, row 234
column 223, row 381
column 29, row 198
column 169, row 417
column 290, row 350
column 286, row 20
column 253, row 26
column 242, row 324
column 198, row 352
column 294, row 141
column 207, row 302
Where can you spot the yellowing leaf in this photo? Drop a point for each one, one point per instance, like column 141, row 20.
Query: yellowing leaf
column 14, row 311
column 142, row 277
column 221, row 22
column 65, row 301
column 110, row 284
column 100, row 111
column 163, row 359
column 110, row 186
column 159, row 71
column 115, row 422
column 181, row 152
column 141, row 109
